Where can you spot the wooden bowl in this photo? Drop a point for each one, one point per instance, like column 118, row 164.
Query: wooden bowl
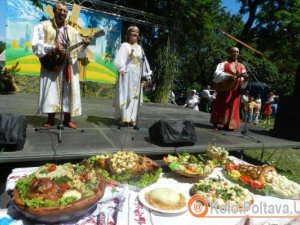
column 202, row 176
column 59, row 214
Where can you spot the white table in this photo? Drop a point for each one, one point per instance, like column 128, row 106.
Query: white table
column 120, row 206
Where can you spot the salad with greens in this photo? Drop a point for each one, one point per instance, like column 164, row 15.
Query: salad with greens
column 188, row 164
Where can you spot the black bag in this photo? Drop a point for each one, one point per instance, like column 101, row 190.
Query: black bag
column 173, row 133
column 12, row 132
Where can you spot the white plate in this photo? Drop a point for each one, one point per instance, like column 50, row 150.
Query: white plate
column 152, row 187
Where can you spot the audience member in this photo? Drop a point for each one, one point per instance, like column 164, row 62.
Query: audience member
column 258, row 109
column 244, row 100
column 251, row 108
column 193, row 101
column 206, row 99
column 268, row 108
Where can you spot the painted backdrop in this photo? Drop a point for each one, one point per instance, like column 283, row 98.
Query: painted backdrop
column 22, row 17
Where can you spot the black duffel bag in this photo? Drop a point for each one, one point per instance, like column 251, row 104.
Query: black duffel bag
column 12, row 132
column 173, row 133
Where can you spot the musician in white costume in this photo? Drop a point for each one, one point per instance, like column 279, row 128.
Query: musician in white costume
column 130, row 60
column 50, row 38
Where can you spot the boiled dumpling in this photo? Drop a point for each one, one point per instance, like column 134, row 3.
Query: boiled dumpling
column 165, row 198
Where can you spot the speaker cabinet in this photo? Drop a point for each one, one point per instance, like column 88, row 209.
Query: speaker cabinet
column 287, row 119
column 12, row 132
column 173, row 133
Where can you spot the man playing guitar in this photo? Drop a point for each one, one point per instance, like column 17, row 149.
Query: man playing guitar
column 229, row 79
column 50, row 41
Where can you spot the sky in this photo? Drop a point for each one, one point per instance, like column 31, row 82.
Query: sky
column 2, row 19
column 231, row 5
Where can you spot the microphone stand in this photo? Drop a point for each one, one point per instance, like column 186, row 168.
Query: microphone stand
column 245, row 131
column 251, row 72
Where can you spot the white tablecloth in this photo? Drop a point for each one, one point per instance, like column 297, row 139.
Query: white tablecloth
column 120, row 206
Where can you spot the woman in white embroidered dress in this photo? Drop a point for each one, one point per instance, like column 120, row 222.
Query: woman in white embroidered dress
column 132, row 64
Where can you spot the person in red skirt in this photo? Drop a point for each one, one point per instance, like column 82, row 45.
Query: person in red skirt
column 229, row 79
column 268, row 108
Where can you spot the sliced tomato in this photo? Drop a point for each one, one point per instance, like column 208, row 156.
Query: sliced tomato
column 63, row 186
column 193, row 168
column 246, row 179
column 84, row 177
column 256, row 184
column 230, row 166
column 51, row 168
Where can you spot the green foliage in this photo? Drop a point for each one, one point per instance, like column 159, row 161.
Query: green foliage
column 2, row 46
column 30, row 84
column 146, row 179
column 7, row 82
column 166, row 70
column 274, row 30
column 37, row 3
column 102, row 90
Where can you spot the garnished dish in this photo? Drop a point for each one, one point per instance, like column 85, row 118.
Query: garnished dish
column 222, row 193
column 217, row 153
column 263, row 180
column 127, row 167
column 189, row 165
column 58, row 193
column 164, row 199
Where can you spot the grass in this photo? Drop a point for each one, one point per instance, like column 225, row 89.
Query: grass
column 285, row 160
column 30, row 84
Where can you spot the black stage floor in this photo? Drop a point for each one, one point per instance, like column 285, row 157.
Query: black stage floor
column 102, row 135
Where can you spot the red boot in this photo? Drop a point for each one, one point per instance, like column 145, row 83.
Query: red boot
column 68, row 122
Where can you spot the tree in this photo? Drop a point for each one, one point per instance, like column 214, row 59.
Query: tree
column 273, row 26
column 2, row 46
column 166, row 70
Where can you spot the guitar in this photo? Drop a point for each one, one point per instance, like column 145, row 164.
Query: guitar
column 54, row 61
column 229, row 84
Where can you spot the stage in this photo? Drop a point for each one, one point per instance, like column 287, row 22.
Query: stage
column 98, row 133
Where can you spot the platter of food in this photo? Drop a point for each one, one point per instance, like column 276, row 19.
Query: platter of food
column 217, row 153
column 127, row 167
column 189, row 165
column 58, row 193
column 221, row 193
column 164, row 199
column 264, row 180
